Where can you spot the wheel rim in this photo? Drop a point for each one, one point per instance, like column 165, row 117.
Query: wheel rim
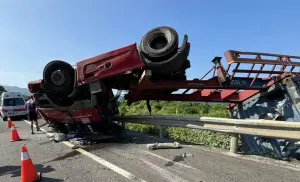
column 159, row 42
column 58, row 78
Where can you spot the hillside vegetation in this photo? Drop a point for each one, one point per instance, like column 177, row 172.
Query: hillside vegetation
column 208, row 138
column 2, row 89
column 24, row 91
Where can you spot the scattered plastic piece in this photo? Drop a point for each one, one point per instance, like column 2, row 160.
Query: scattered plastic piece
column 163, row 146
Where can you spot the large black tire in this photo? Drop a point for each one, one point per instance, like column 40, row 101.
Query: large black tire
column 168, row 59
column 59, row 77
column 159, row 42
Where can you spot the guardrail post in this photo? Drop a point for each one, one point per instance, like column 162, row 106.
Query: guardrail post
column 161, row 131
column 234, row 143
column 123, row 125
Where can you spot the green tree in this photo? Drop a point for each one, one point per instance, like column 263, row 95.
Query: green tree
column 26, row 97
column 2, row 89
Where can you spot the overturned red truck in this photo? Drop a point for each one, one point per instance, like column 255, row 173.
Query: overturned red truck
column 82, row 97
column 77, row 96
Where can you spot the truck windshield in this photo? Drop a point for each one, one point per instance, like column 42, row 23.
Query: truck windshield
column 13, row 102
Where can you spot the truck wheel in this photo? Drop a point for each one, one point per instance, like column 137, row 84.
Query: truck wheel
column 160, row 53
column 59, row 77
column 159, row 42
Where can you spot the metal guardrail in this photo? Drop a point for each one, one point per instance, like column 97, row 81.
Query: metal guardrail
column 262, row 128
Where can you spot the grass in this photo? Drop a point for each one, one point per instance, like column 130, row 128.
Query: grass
column 203, row 137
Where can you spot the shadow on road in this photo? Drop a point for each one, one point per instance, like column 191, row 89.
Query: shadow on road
column 46, row 179
column 25, row 139
column 41, row 125
column 177, row 158
column 46, row 142
column 15, row 171
column 67, row 155
column 127, row 139
column 124, row 141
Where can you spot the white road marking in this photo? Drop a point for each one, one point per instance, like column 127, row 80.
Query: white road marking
column 180, row 172
column 168, row 160
column 103, row 162
column 168, row 176
column 163, row 172
column 259, row 159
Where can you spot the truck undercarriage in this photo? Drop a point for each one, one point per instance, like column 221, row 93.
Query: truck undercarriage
column 82, row 97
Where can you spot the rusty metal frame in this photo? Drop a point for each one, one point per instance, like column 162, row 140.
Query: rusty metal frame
column 220, row 87
column 256, row 58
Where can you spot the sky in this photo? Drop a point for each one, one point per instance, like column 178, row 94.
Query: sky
column 34, row 32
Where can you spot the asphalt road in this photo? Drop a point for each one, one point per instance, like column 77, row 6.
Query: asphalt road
column 130, row 160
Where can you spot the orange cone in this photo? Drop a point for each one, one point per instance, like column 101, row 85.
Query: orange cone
column 28, row 171
column 9, row 122
column 14, row 134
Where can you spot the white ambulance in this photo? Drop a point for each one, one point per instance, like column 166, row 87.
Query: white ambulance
column 12, row 104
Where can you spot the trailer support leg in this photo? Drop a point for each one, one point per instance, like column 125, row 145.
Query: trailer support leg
column 234, row 143
column 161, row 131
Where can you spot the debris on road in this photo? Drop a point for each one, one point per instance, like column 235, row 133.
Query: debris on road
column 163, row 146
column 58, row 137
column 184, row 155
column 79, row 140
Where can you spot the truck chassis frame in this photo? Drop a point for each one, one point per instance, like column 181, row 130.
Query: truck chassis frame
column 223, row 86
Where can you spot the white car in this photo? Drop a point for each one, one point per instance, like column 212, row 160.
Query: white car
column 12, row 104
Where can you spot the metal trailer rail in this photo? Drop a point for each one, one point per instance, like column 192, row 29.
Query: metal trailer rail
column 224, row 85
column 263, row 128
